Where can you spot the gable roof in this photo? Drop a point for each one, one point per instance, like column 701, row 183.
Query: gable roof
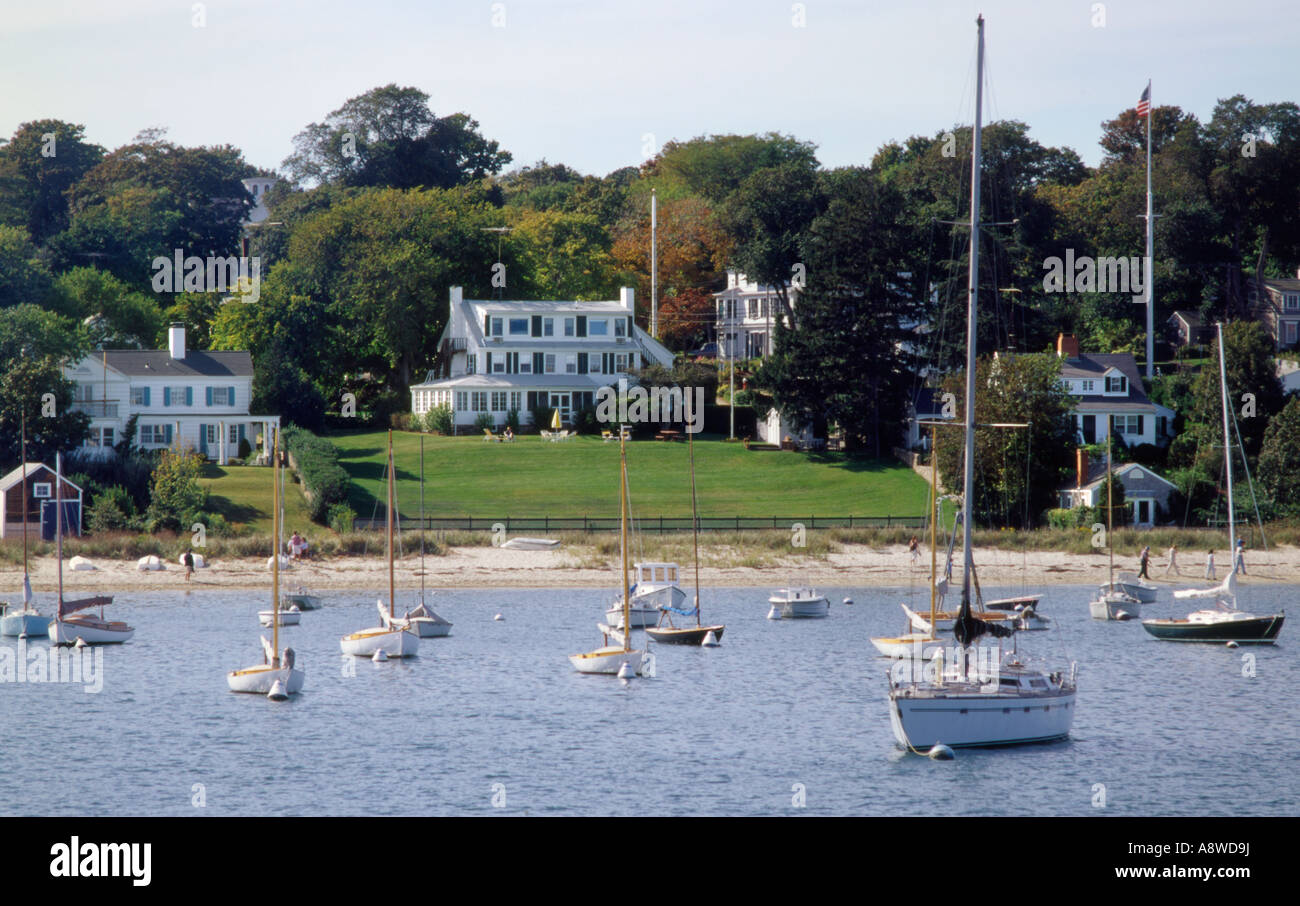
column 13, row 478
column 1095, row 365
column 158, row 363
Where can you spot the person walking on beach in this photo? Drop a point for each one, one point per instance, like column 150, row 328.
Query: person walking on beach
column 914, row 547
column 1173, row 560
column 188, row 560
column 1144, row 559
column 1240, row 565
column 1209, row 566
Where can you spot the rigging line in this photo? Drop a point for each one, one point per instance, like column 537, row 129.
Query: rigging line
column 1249, row 482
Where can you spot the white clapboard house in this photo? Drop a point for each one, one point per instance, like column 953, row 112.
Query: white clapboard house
column 496, row 355
column 194, row 399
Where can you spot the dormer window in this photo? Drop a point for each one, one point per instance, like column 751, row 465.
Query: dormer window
column 1117, row 384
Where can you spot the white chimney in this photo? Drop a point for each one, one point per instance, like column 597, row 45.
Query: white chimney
column 626, row 296
column 176, row 340
column 457, row 294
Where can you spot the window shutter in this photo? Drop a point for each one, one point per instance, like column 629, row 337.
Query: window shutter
column 230, row 400
column 241, row 432
column 167, row 434
column 189, row 396
column 1142, row 420
column 487, row 325
column 203, row 430
column 630, row 327
column 532, row 399
column 539, row 363
column 167, row 396
column 582, row 363
column 537, row 325
column 582, row 325
column 209, row 390
column 146, row 396
column 489, row 363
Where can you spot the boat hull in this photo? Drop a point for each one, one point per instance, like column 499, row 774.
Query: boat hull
column 259, row 680
column 393, row 642
column 1144, row 592
column 801, row 607
column 286, row 617
column 25, row 622
column 1253, row 631
column 641, row 616
column 1013, row 603
column 304, row 602
column 92, row 631
column 907, row 645
column 531, row 544
column 963, row 721
column 1108, row 608
column 693, row 635
column 607, row 661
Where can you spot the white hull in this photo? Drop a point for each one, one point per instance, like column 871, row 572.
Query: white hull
column 801, row 604
column 1144, row 592
column 641, row 616
column 980, row 720
column 424, row 627
column 92, row 631
column 393, row 642
column 259, row 679
column 530, row 544
column 607, row 661
column 907, row 645
column 1115, row 607
column 25, row 622
column 287, row 617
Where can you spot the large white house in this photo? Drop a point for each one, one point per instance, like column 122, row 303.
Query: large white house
column 195, row 399
column 1111, row 385
column 497, row 355
column 746, row 315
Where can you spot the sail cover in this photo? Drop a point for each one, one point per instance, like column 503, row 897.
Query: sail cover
column 680, row 610
column 967, row 628
column 1227, row 587
column 27, row 592
column 66, row 607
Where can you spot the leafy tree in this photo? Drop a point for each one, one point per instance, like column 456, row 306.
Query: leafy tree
column 38, row 166
column 117, row 315
column 1279, row 460
column 714, row 167
column 1250, row 368
column 23, row 277
column 282, row 388
column 177, row 500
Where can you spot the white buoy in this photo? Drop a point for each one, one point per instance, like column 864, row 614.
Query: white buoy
column 774, row 613
column 82, row 643
column 940, row 752
column 380, row 656
column 710, row 640
column 278, row 693
column 499, row 618
column 626, row 672
column 1232, row 644
column 848, row 602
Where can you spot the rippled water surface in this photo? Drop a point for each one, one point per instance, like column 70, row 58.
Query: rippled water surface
column 494, row 720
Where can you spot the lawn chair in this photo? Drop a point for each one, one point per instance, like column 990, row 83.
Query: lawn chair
column 607, row 436
column 488, row 435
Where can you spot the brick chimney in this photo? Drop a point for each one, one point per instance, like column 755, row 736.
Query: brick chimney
column 1081, row 467
column 1067, row 346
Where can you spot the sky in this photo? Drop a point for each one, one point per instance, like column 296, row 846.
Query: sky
column 601, row 85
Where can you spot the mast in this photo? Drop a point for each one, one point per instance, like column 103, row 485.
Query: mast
column 968, row 492
column 422, row 519
column 1147, row 284
column 934, row 517
column 275, row 560
column 695, row 526
column 622, row 508
column 391, row 582
column 58, row 523
column 1227, row 455
column 23, row 445
column 654, row 265
column 1110, row 510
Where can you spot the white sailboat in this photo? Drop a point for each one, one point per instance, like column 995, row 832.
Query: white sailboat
column 393, row 641
column 276, row 677
column 26, row 622
column 618, row 659
column 1113, row 602
column 422, row 620
column 1007, row 701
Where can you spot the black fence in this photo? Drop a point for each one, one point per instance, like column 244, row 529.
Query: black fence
column 515, row 524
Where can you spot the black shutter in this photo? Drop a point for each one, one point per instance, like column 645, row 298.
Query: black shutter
column 582, row 363
column 582, row 325
column 537, row 325
column 487, row 325
column 629, row 326
column 539, row 363
column 532, row 400
column 1142, row 420
column 489, row 364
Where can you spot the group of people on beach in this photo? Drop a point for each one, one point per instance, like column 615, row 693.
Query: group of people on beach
column 1238, row 564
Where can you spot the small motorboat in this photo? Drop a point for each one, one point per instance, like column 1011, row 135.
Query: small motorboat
column 800, row 603
column 301, row 599
column 290, row 617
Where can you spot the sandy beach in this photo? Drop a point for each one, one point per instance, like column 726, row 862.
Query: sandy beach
column 488, row 567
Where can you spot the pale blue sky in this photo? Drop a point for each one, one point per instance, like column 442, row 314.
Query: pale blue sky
column 581, row 81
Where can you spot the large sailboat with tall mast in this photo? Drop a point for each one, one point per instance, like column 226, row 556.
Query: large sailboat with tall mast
column 699, row 633
column 73, row 622
column 1224, row 622
column 276, row 677
column 1009, row 701
column 27, row 622
column 387, row 640
column 619, row 658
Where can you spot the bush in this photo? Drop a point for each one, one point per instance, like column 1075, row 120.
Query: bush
column 178, row 499
column 400, row 421
column 112, row 511
column 585, row 421
column 541, row 417
column 512, row 420
column 439, row 420
column 1075, row 518
column 316, row 460
column 341, row 517
column 485, row 420
column 245, row 448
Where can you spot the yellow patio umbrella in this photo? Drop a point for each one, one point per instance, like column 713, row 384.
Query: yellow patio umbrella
column 555, row 420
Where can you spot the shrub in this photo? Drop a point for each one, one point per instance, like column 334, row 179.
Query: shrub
column 245, row 448
column 439, row 420
column 512, row 420
column 585, row 421
column 178, row 500
column 484, row 420
column 541, row 417
column 112, row 511
column 341, row 517
column 400, row 421
column 316, row 460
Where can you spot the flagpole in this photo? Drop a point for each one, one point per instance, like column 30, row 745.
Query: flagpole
column 1149, row 281
column 654, row 266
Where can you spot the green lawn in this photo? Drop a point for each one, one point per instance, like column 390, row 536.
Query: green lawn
column 243, row 495
column 464, row 476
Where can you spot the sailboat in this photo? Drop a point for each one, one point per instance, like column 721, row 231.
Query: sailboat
column 72, row 624
column 28, row 622
column 1223, row 623
column 276, row 677
column 1112, row 603
column 421, row 620
column 393, row 641
column 617, row 659
column 699, row 633
column 1009, row 701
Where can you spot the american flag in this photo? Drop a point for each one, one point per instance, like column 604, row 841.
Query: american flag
column 1144, row 102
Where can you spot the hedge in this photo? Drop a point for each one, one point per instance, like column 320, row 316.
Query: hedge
column 324, row 481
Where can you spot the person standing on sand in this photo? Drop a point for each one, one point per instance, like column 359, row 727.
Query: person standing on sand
column 1239, row 566
column 188, row 560
column 1144, row 559
column 1209, row 566
column 914, row 547
column 1173, row 560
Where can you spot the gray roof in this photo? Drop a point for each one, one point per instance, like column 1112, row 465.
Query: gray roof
column 1097, row 474
column 159, row 363
column 1095, row 365
column 522, row 382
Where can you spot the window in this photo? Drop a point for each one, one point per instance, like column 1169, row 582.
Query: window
column 570, row 364
column 137, row 396
column 210, row 434
column 478, row 400
column 548, row 327
column 471, row 364
column 568, row 327
column 550, row 363
column 462, row 400
column 598, row 327
column 1290, row 331
column 153, row 434
column 1117, row 384
column 620, row 328
column 496, row 327
column 1292, row 302
column 753, row 308
column 515, row 398
column 107, row 437
column 620, row 363
column 593, row 364
column 1087, row 386
column 221, row 396
column 498, row 401
column 498, row 366
column 234, row 435
column 518, row 327
column 526, row 365
column 180, row 396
